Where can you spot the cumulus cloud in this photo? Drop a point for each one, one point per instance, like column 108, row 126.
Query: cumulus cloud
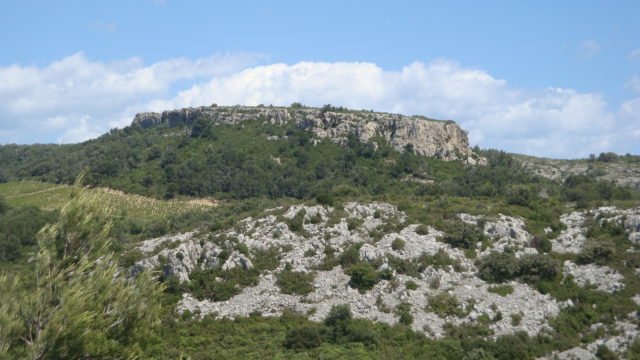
column 549, row 122
column 77, row 99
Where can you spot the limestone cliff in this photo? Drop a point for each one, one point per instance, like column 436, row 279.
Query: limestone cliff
column 440, row 139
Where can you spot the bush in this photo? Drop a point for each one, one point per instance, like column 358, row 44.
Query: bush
column 516, row 319
column 502, row 290
column 536, row 267
column 338, row 314
column 307, row 336
column 519, row 195
column 498, row 267
column 411, row 285
column 422, row 229
column 598, row 251
column 295, row 282
column 445, row 304
column 462, row 235
column 541, row 243
column 397, row 244
column 354, row 223
column 363, row 276
column 325, row 199
column 296, row 223
column 349, row 257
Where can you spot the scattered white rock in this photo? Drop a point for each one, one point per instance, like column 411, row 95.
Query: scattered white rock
column 603, row 277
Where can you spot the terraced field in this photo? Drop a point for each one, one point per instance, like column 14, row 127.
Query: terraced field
column 53, row 196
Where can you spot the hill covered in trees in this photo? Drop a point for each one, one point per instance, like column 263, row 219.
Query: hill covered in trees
column 322, row 233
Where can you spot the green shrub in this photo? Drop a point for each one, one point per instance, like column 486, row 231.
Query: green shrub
column 295, row 282
column 502, row 290
column 535, row 267
column 296, row 223
column 498, row 267
column 354, row 223
column 445, row 304
column 406, row 318
column 462, row 235
column 541, row 243
column 338, row 314
column 411, row 285
column 397, row 244
column 598, row 251
column 604, row 353
column 363, row 276
column 306, row 336
column 349, row 257
column 516, row 319
column 422, row 229
column 325, row 199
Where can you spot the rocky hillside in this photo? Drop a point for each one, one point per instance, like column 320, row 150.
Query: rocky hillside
column 625, row 171
column 440, row 139
column 371, row 257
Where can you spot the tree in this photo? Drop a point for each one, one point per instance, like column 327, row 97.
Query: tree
column 82, row 306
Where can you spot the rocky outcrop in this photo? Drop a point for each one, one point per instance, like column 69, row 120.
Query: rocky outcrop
column 441, row 139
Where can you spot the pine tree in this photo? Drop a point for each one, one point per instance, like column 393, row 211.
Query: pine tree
column 82, row 306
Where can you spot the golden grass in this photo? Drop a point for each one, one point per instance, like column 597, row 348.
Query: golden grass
column 52, row 197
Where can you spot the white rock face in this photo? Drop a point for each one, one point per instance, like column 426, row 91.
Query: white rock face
column 332, row 287
column 441, row 139
column 603, row 277
column 571, row 239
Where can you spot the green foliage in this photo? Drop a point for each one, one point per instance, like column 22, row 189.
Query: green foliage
column 295, row 282
column 422, row 229
column 604, row 353
column 445, row 304
column 354, row 223
column 397, row 244
column 411, row 285
column 363, row 276
column 413, row 267
column 599, row 251
column 516, row 319
column 306, row 336
column 296, row 223
column 519, row 195
column 502, row 290
column 462, row 235
column 500, row 267
column 325, row 199
column 81, row 305
column 18, row 229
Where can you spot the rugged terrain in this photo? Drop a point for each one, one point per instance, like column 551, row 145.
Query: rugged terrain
column 452, row 274
column 440, row 139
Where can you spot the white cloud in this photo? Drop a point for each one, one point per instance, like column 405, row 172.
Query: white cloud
column 589, row 48
column 76, row 99
column 550, row 122
column 633, row 84
column 635, row 54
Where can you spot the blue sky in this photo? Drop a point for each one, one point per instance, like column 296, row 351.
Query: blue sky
column 547, row 78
